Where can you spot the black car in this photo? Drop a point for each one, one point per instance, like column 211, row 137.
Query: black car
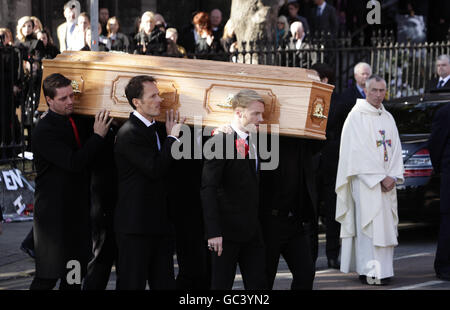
column 418, row 197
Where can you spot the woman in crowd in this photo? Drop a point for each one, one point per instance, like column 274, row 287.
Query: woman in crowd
column 117, row 41
column 200, row 40
column 88, row 40
column 173, row 49
column 150, row 40
column 282, row 30
column 50, row 50
column 26, row 39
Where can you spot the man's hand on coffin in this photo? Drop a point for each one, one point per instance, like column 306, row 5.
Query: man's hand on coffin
column 215, row 244
column 387, row 184
column 173, row 123
column 102, row 123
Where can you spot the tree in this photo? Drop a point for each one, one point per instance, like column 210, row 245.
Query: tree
column 254, row 19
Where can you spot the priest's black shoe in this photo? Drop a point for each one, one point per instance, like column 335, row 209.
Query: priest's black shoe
column 334, row 263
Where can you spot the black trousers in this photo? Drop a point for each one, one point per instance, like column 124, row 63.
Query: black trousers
column 442, row 259
column 328, row 211
column 194, row 263
column 28, row 242
column 144, row 258
column 105, row 253
column 250, row 257
column 284, row 235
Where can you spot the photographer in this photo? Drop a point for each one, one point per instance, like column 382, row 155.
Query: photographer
column 150, row 40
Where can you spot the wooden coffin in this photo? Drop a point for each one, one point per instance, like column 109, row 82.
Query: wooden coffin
column 295, row 98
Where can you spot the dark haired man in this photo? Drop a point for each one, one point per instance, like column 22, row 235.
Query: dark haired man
column 61, row 218
column 143, row 158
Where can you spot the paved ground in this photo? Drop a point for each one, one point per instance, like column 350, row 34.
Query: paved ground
column 413, row 264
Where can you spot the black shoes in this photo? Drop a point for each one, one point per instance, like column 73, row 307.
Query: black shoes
column 28, row 251
column 372, row 281
column 334, row 263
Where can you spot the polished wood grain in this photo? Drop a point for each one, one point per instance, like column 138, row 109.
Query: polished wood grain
column 295, row 99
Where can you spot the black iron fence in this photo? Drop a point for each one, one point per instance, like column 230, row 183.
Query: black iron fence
column 17, row 108
column 407, row 67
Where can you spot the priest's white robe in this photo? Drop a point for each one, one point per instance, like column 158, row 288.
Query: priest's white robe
column 370, row 150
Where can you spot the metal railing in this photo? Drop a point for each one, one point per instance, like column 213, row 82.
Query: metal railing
column 407, row 67
column 16, row 109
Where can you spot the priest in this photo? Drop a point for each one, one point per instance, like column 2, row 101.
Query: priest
column 370, row 164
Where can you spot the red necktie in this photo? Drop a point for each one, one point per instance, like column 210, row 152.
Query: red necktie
column 75, row 131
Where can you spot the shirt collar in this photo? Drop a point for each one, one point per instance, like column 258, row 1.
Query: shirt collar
column 241, row 134
column 445, row 79
column 360, row 89
column 143, row 119
column 322, row 7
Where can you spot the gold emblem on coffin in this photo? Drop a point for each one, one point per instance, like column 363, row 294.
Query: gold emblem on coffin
column 75, row 86
column 318, row 111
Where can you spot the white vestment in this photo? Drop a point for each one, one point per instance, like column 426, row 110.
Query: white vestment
column 370, row 150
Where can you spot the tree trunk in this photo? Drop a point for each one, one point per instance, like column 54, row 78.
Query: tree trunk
column 254, row 20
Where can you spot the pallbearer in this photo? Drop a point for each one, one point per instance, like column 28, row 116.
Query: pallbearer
column 230, row 198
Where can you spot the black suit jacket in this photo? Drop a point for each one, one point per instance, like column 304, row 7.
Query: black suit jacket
column 230, row 194
column 61, row 208
column 432, row 85
column 348, row 99
column 327, row 22
column 142, row 169
column 291, row 187
column 439, row 146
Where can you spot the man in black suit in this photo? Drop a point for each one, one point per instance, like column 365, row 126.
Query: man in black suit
column 103, row 192
column 61, row 218
column 323, row 18
column 443, row 72
column 187, row 216
column 439, row 146
column 143, row 158
column 289, row 210
column 362, row 71
column 230, row 198
column 217, row 27
column 328, row 165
